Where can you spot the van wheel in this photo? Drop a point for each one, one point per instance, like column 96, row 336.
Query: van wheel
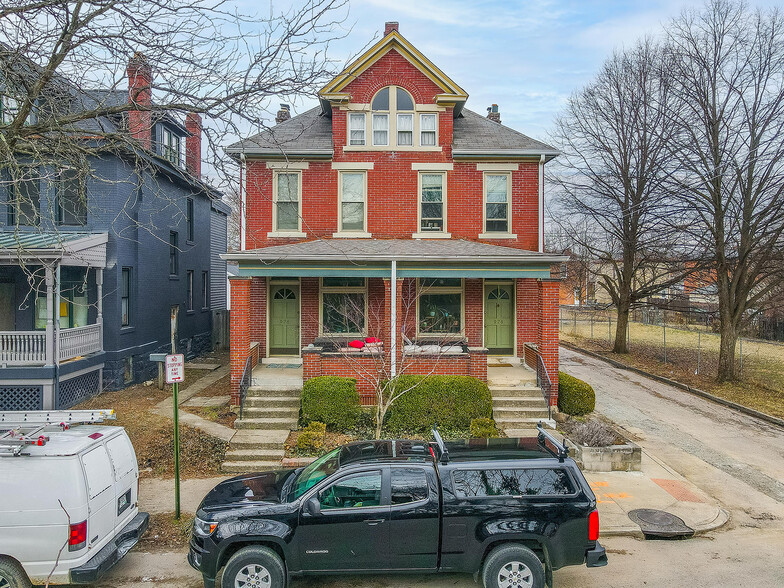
column 254, row 567
column 513, row 566
column 12, row 575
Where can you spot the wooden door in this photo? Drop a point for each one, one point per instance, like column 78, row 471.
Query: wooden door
column 284, row 320
column 499, row 319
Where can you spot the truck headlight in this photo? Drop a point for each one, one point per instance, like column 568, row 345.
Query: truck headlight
column 204, row 528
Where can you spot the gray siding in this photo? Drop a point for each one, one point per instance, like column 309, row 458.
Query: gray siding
column 218, row 245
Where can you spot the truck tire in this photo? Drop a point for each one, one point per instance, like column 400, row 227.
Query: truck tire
column 513, row 566
column 12, row 575
column 254, row 567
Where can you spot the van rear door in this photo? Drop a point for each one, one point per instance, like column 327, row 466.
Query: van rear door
column 100, row 494
column 126, row 475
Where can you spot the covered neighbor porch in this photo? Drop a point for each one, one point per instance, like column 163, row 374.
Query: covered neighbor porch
column 335, row 304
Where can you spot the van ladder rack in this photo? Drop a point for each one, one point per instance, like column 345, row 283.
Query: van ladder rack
column 558, row 449
column 14, row 419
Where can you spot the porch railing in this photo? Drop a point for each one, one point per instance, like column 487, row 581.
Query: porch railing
column 79, row 341
column 22, row 347
column 544, row 383
column 245, row 382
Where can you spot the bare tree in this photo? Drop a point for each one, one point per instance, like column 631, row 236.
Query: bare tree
column 727, row 84
column 611, row 178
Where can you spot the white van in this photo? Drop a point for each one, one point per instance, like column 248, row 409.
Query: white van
column 68, row 507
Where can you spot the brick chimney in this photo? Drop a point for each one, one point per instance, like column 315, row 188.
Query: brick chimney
column 391, row 26
column 140, row 94
column 493, row 114
column 193, row 144
column 283, row 114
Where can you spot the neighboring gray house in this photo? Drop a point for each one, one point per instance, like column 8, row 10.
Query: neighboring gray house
column 96, row 274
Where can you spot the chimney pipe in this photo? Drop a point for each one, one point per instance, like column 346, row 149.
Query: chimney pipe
column 140, row 94
column 390, row 26
column 493, row 114
column 193, row 144
column 283, row 114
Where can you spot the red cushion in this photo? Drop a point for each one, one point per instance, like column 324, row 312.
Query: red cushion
column 372, row 340
column 357, row 344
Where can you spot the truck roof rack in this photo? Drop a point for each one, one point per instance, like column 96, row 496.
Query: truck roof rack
column 444, row 457
column 20, row 429
column 551, row 444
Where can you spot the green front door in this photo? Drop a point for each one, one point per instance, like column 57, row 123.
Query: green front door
column 499, row 320
column 284, row 320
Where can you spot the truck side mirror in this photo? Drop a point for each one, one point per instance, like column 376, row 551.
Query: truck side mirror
column 313, row 507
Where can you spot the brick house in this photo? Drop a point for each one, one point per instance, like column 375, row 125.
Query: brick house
column 392, row 211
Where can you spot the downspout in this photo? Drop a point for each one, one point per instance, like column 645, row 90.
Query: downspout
column 541, row 204
column 243, row 171
column 393, row 317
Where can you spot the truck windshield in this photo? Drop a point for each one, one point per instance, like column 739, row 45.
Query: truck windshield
column 318, row 470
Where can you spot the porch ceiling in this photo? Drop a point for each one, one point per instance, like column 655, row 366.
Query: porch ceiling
column 69, row 248
column 372, row 258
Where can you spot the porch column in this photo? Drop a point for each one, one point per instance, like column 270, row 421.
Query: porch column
column 549, row 290
column 393, row 299
column 240, row 332
column 50, row 347
column 258, row 313
column 99, row 318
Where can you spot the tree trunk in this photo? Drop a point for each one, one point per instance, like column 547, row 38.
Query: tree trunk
column 729, row 338
column 621, row 342
column 380, row 413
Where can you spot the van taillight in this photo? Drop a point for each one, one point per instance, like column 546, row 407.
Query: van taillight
column 77, row 539
column 593, row 526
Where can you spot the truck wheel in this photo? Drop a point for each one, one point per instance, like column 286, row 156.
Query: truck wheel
column 254, row 567
column 12, row 575
column 513, row 566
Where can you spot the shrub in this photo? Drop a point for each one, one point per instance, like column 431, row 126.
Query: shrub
column 312, row 437
column 331, row 400
column 593, row 433
column 484, row 429
column 575, row 397
column 451, row 402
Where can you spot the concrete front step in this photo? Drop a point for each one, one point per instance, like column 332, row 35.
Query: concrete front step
column 275, row 385
column 266, row 423
column 257, row 412
column 269, row 390
column 241, row 467
column 512, row 402
column 255, row 455
column 511, row 414
column 516, row 391
column 272, row 401
column 519, row 423
column 259, row 439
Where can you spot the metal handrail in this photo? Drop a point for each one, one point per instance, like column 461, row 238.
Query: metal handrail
column 544, row 382
column 245, row 383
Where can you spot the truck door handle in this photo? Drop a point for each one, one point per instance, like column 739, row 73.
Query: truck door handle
column 373, row 522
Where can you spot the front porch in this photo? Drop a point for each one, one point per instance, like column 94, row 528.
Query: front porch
column 373, row 310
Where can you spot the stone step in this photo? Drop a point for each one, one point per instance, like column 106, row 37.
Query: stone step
column 259, row 439
column 272, row 401
column 509, row 415
column 255, row 455
column 257, row 412
column 241, row 467
column 269, row 388
column 528, row 428
column 266, row 423
column 517, row 391
column 514, row 401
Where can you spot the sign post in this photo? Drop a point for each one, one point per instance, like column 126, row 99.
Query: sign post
column 175, row 373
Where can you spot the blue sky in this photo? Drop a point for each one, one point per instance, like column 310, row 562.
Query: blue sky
column 526, row 56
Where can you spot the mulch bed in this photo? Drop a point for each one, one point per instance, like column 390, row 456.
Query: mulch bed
column 166, row 533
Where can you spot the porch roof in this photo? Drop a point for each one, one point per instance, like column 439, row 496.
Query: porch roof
column 456, row 258
column 69, row 248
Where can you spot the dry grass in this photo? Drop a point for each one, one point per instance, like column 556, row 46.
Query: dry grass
column 761, row 385
column 166, row 533
column 331, row 441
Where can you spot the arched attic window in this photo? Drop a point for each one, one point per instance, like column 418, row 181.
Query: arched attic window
column 393, row 105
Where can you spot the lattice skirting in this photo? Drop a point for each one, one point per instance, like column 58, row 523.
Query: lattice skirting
column 77, row 389
column 21, row 397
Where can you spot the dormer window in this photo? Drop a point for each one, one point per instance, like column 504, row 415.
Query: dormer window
column 394, row 122
column 171, row 147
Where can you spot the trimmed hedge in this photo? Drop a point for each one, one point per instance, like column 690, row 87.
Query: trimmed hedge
column 575, row 397
column 484, row 429
column 451, row 402
column 331, row 400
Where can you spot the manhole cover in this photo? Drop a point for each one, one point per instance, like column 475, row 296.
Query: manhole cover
column 658, row 523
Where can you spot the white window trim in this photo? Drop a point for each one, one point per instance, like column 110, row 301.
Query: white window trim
column 411, row 114
column 347, row 234
column 485, row 234
column 443, row 233
column 341, row 289
column 419, row 124
column 441, row 290
column 275, row 232
column 375, row 114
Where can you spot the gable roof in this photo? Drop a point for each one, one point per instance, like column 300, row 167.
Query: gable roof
column 452, row 94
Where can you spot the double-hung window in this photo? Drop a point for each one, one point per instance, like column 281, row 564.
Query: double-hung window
column 9, row 108
column 352, row 201
column 24, row 196
column 356, row 125
column 287, row 201
column 431, row 202
column 174, row 254
column 497, row 203
column 380, row 129
column 189, row 219
column 71, row 199
column 171, row 146
column 440, row 304
column 427, row 130
column 189, row 299
column 125, row 297
column 343, row 306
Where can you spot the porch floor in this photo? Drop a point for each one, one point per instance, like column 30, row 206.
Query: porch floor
column 276, row 377
column 509, row 371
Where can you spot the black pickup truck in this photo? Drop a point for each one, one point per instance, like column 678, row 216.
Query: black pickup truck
column 509, row 511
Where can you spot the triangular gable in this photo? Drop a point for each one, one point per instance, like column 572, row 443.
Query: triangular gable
column 452, row 93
